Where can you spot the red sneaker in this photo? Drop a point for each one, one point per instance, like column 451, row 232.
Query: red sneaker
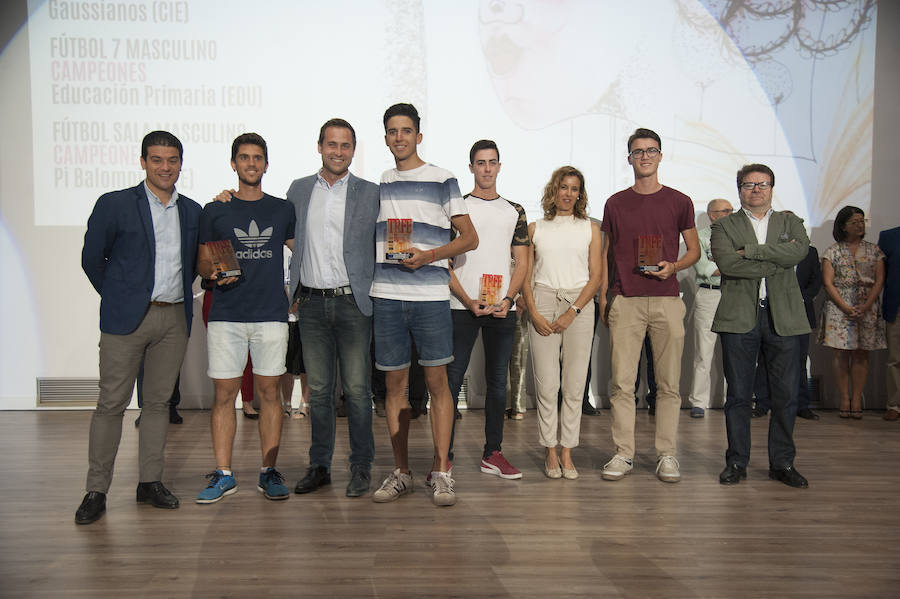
column 497, row 465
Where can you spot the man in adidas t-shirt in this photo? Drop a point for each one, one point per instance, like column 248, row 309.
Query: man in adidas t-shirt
column 419, row 204
column 248, row 312
column 484, row 285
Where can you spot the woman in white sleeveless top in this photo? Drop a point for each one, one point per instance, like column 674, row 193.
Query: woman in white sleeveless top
column 565, row 271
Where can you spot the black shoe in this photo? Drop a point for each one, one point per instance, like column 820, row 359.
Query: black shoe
column 379, row 408
column 92, row 507
column 651, row 410
column 250, row 415
column 316, row 476
column 458, row 415
column 759, row 412
column 589, row 410
column 360, row 480
column 807, row 414
column 157, row 495
column 789, row 476
column 174, row 416
column 415, row 411
column 137, row 421
column 732, row 474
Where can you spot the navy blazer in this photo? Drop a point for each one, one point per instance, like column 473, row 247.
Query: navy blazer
column 360, row 216
column 809, row 277
column 119, row 256
column 889, row 242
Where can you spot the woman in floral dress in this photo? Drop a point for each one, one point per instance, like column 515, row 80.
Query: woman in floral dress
column 851, row 324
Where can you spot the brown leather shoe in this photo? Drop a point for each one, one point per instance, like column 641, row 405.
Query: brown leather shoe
column 891, row 415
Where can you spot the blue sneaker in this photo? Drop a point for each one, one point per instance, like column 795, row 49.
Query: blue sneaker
column 220, row 485
column 271, row 483
column 697, row 412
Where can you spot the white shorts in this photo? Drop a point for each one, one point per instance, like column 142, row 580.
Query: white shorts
column 228, row 342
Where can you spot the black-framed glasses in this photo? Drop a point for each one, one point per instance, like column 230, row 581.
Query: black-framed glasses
column 649, row 152
column 763, row 186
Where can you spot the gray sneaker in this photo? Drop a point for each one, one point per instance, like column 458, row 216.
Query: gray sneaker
column 667, row 469
column 395, row 485
column 442, row 489
column 617, row 468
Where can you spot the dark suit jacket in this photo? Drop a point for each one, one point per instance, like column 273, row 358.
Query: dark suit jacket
column 119, row 256
column 889, row 242
column 786, row 245
column 809, row 277
column 360, row 215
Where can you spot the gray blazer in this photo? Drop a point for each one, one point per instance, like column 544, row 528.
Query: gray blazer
column 363, row 202
column 786, row 245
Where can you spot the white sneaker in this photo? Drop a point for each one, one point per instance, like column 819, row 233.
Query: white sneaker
column 442, row 487
column 617, row 468
column 667, row 469
column 395, row 485
column 428, row 478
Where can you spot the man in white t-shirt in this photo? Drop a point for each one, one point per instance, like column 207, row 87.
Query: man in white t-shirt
column 419, row 204
column 484, row 285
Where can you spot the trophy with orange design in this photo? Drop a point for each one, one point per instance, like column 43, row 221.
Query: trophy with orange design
column 224, row 259
column 491, row 288
column 650, row 251
column 399, row 239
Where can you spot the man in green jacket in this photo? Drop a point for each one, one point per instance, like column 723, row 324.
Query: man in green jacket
column 756, row 250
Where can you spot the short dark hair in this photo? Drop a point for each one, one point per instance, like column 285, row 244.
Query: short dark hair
column 336, row 123
column 161, row 138
column 402, row 110
column 482, row 144
column 641, row 133
column 754, row 168
column 840, row 221
column 249, row 138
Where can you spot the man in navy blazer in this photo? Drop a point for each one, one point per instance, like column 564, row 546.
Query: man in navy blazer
column 889, row 242
column 330, row 276
column 140, row 253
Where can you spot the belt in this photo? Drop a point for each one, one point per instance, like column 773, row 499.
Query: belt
column 164, row 304
column 764, row 302
column 708, row 286
column 336, row 292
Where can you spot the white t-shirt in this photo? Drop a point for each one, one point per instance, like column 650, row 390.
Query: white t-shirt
column 499, row 224
column 430, row 196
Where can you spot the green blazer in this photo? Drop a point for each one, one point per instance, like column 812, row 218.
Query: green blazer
column 786, row 245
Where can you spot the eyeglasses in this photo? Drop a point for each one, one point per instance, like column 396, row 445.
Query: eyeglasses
column 748, row 186
column 649, row 152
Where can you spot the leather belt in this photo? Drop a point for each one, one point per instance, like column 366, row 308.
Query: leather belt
column 164, row 304
column 336, row 292
column 764, row 302
column 708, row 286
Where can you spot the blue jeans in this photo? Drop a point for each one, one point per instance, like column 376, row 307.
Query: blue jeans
column 739, row 351
column 333, row 331
column 761, row 384
column 398, row 321
column 497, row 337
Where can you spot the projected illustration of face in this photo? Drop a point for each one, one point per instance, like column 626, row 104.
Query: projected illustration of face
column 551, row 60
column 401, row 138
column 163, row 166
column 337, row 151
column 250, row 164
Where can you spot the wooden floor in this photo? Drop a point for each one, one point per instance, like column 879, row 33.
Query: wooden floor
column 530, row 538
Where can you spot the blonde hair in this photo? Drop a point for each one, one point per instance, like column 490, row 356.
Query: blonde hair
column 548, row 201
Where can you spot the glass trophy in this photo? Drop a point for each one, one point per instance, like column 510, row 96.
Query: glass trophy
column 224, row 260
column 399, row 239
column 649, row 253
column 491, row 287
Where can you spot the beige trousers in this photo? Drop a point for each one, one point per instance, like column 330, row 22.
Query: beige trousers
column 630, row 319
column 571, row 349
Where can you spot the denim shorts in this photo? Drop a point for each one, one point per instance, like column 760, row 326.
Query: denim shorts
column 228, row 342
column 429, row 325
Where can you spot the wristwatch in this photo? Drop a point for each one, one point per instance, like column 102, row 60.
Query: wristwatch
column 577, row 309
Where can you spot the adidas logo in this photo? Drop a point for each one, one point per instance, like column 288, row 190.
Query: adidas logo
column 254, row 239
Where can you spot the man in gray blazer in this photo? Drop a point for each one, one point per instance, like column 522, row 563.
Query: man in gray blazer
column 761, row 307
column 330, row 275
